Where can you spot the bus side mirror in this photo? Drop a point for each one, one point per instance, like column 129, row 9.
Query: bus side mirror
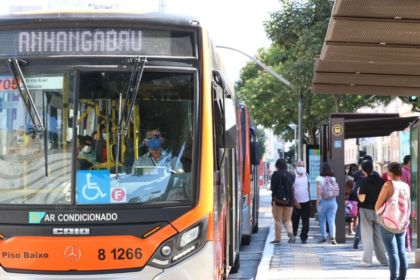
column 225, row 118
column 219, row 78
column 224, row 113
column 255, row 150
column 230, row 124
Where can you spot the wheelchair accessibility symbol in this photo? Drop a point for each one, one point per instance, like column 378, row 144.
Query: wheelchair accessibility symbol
column 93, row 186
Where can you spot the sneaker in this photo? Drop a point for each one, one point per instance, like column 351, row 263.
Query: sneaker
column 304, row 242
column 363, row 264
column 275, row 242
column 292, row 237
column 356, row 242
column 384, row 264
column 323, row 240
column 333, row 241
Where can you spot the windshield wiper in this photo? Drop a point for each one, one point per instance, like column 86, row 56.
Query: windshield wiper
column 29, row 103
column 137, row 71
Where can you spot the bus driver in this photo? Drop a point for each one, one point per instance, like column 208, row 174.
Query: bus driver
column 156, row 155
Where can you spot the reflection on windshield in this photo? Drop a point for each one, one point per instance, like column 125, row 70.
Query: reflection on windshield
column 35, row 168
column 156, row 154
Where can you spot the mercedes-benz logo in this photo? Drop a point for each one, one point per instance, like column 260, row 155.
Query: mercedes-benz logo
column 72, row 253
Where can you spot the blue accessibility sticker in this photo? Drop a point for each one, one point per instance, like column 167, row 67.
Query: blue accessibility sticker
column 36, row 217
column 93, row 186
column 337, row 144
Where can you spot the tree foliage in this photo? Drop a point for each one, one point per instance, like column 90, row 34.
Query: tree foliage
column 297, row 32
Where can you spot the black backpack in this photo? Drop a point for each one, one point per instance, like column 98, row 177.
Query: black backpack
column 282, row 195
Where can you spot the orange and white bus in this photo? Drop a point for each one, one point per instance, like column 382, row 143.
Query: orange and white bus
column 250, row 167
column 118, row 155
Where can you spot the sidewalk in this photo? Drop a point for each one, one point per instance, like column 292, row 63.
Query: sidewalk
column 320, row 261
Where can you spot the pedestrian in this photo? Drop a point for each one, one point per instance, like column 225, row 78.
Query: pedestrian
column 394, row 192
column 358, row 179
column 282, row 201
column 349, row 183
column 406, row 171
column 326, row 208
column 368, row 195
column 302, row 205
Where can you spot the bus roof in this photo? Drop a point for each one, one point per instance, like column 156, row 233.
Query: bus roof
column 99, row 15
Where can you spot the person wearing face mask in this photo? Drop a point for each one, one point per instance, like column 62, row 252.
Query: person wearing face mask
column 156, row 156
column 302, row 205
column 350, row 172
column 86, row 150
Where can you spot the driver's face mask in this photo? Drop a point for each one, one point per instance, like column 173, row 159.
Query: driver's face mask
column 154, row 142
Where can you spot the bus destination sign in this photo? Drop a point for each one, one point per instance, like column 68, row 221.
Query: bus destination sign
column 95, row 42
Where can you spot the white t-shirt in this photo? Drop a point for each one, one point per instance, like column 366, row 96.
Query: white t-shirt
column 322, row 179
column 301, row 188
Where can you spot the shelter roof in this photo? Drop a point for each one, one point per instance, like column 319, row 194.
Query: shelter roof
column 372, row 125
column 372, row 47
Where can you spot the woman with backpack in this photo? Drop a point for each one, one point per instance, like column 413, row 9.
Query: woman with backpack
column 393, row 208
column 368, row 194
column 282, row 201
column 326, row 203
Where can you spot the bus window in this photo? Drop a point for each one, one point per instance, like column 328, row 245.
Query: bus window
column 155, row 156
column 35, row 167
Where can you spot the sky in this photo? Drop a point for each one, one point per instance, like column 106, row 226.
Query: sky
column 233, row 23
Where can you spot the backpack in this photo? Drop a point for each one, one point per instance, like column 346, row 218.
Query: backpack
column 330, row 189
column 394, row 215
column 282, row 194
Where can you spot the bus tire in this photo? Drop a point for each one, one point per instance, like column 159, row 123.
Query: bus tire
column 246, row 240
column 236, row 265
column 255, row 229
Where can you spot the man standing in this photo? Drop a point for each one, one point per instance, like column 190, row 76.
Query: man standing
column 406, row 171
column 302, row 205
column 359, row 176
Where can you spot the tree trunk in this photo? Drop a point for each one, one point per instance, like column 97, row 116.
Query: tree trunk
column 337, row 102
column 312, row 136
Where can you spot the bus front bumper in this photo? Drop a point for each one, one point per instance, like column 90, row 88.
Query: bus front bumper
column 198, row 266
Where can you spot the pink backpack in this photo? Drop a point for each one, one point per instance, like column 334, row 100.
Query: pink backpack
column 330, row 189
column 394, row 215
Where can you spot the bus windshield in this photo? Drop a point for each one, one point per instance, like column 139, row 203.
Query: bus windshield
column 81, row 112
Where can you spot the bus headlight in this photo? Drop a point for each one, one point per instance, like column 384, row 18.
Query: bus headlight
column 189, row 236
column 181, row 245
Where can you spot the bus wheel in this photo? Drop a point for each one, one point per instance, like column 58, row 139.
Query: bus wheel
column 255, row 229
column 236, row 265
column 246, row 240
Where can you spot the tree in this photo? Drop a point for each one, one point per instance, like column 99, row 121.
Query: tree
column 297, row 32
column 262, row 137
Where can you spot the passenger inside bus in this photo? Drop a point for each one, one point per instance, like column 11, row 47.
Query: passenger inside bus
column 87, row 151
column 156, row 156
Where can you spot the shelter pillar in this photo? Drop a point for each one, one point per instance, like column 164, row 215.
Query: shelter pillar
column 336, row 161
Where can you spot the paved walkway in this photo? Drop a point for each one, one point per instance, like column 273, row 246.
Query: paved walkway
column 320, row 261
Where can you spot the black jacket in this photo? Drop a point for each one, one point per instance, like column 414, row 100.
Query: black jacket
column 277, row 181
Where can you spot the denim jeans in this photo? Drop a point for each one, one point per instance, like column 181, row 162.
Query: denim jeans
column 395, row 247
column 326, row 212
column 358, row 233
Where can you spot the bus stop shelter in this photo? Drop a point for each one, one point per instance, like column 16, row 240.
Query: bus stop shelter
column 347, row 126
column 372, row 47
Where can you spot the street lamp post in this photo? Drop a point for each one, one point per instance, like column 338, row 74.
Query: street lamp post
column 292, row 125
column 286, row 82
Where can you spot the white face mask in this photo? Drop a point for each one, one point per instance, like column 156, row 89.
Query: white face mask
column 87, row 149
column 347, row 171
column 300, row 169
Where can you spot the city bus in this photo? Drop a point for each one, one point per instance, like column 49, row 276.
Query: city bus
column 121, row 151
column 250, row 177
